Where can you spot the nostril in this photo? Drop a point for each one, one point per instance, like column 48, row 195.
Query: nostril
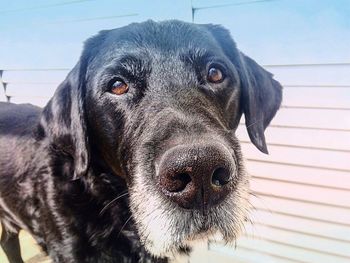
column 220, row 177
column 196, row 176
column 177, row 182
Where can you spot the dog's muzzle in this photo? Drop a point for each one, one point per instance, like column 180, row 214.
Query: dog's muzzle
column 196, row 176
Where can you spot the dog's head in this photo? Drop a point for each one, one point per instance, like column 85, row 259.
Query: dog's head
column 159, row 103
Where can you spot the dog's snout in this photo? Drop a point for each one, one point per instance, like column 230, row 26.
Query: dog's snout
column 196, row 176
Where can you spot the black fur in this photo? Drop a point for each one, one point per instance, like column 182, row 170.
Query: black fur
column 67, row 170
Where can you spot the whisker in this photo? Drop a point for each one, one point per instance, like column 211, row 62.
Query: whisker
column 127, row 221
column 256, row 122
column 115, row 199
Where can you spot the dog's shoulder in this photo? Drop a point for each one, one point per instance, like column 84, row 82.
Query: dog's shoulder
column 18, row 119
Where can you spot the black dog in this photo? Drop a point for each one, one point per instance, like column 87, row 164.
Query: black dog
column 135, row 155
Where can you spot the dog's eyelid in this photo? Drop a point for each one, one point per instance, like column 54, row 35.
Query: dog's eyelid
column 218, row 64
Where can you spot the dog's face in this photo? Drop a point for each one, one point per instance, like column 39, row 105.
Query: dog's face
column 160, row 103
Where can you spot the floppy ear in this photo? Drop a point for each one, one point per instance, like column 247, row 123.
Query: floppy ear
column 261, row 95
column 63, row 122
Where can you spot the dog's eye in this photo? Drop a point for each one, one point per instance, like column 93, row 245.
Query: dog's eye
column 119, row 87
column 215, row 75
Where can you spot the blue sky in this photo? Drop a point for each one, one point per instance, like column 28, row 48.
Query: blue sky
column 47, row 33
column 272, row 32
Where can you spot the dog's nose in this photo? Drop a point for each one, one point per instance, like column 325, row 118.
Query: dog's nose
column 196, row 176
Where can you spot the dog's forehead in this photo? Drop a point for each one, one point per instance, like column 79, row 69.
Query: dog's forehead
column 169, row 37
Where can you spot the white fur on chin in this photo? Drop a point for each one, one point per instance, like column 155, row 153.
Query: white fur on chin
column 163, row 227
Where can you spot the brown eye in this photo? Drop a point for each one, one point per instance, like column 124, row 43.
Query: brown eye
column 215, row 75
column 119, row 87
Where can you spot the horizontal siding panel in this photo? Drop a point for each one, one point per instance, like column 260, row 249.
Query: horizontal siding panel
column 307, row 157
column 317, row 97
column 338, row 140
column 247, row 253
column 331, row 197
column 309, row 75
column 300, row 209
column 317, row 244
column 318, row 177
column 38, row 94
column 293, row 253
column 41, row 102
column 313, row 118
column 306, row 226
column 29, row 91
column 2, row 96
column 56, row 76
column 214, row 256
